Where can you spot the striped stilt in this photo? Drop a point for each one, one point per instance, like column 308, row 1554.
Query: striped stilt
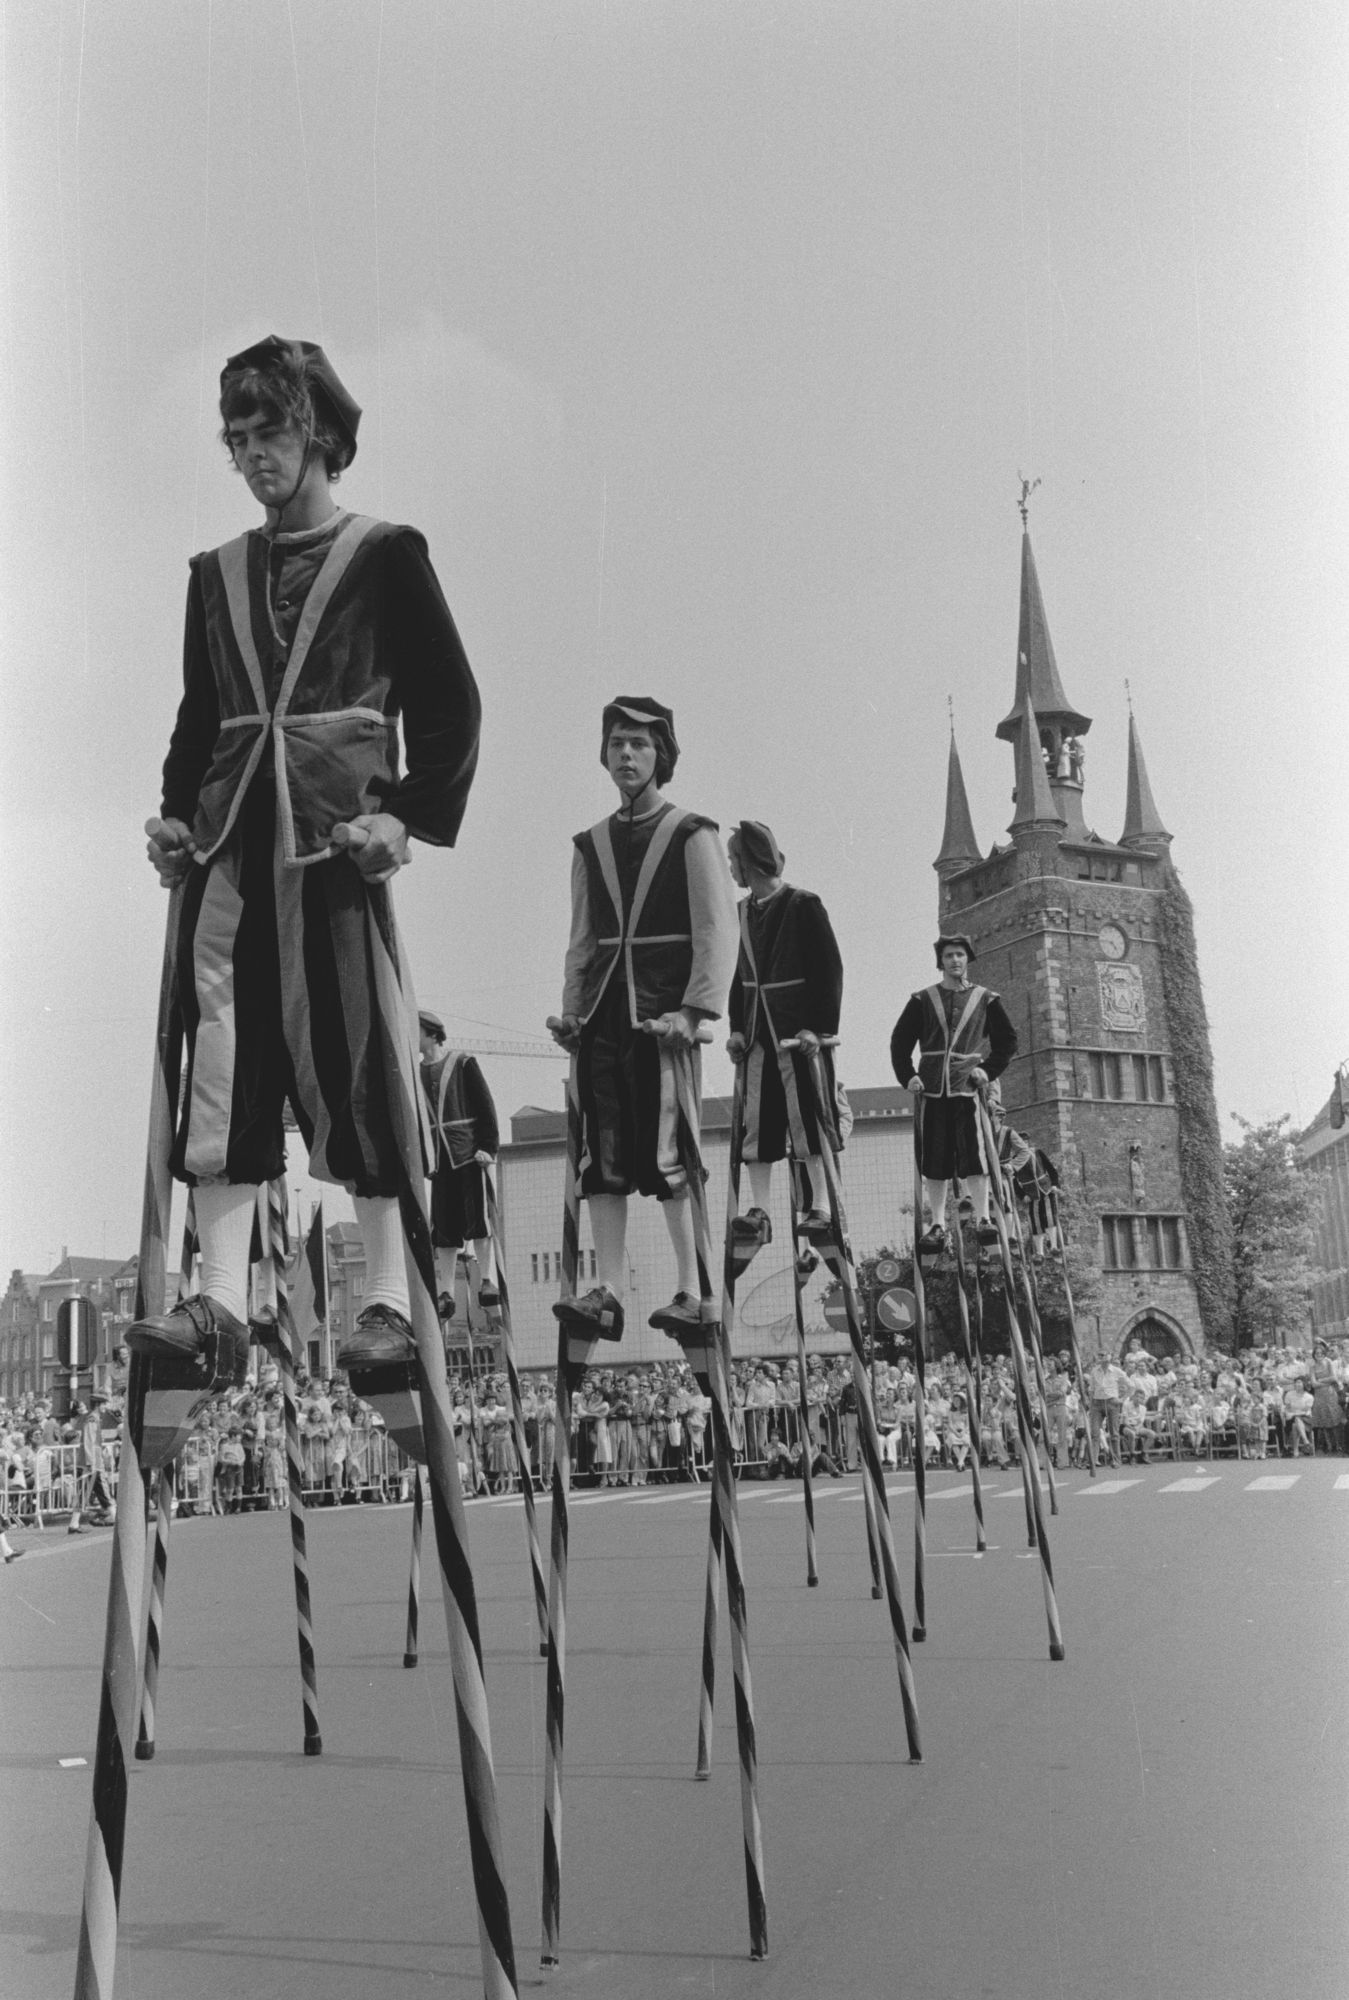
column 1017, row 1242
column 1078, row 1370
column 973, row 1394
column 920, row 1478
column 159, row 1572
column 277, row 1245
column 799, row 1273
column 707, row 1686
column 573, row 1351
column 397, row 1023
column 712, row 1351
column 121, row 1681
column 494, row 1224
column 415, row 1576
column 1023, row 1396
column 145, row 1738
column 840, row 1258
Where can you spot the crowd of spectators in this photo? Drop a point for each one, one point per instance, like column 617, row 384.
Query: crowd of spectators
column 648, row 1425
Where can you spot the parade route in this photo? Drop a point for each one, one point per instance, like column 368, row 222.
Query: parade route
column 1163, row 1814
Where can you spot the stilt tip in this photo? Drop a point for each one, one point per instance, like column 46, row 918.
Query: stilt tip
column 145, row 1751
column 409, row 1659
column 1058, row 1651
column 702, row 1774
column 919, row 1634
column 546, row 1959
column 758, row 1955
column 313, row 1746
column 543, row 1649
column 915, row 1756
column 812, row 1583
column 876, row 1591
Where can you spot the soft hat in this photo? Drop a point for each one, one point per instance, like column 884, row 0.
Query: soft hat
column 649, row 714
column 758, row 847
column 307, row 359
column 957, row 937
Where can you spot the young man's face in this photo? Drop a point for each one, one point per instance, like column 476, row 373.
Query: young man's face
column 430, row 1046
column 630, row 755
column 270, row 455
column 955, row 962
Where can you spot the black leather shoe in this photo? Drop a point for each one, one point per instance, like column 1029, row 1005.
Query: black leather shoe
column 379, row 1337
column 683, row 1315
column 597, row 1312
column 198, row 1332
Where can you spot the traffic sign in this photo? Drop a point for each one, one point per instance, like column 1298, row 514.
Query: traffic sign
column 76, row 1331
column 836, row 1311
column 887, row 1271
column 897, row 1309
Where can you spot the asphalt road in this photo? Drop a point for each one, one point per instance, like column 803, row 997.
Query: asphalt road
column 1162, row 1816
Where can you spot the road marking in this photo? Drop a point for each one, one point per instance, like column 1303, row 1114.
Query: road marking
column 1273, row 1482
column 1342, row 1483
column 1191, row 1485
column 664, row 1499
column 1109, row 1486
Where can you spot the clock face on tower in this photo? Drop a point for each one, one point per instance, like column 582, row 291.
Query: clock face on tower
column 1112, row 941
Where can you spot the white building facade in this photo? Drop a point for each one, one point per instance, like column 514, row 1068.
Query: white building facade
column 877, row 1189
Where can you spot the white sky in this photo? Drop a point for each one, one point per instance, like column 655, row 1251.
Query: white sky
column 706, row 344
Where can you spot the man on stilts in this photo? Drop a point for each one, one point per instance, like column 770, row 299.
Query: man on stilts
column 964, row 1040
column 466, row 1137
column 650, row 958
column 284, row 817
column 788, row 986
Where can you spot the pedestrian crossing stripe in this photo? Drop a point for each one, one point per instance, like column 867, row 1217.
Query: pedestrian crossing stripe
column 1103, row 1486
column 1273, row 1482
column 1191, row 1485
column 1342, row 1483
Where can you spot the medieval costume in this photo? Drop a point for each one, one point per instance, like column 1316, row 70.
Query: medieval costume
column 652, row 936
column 788, row 979
column 465, row 1135
column 963, row 1037
column 305, row 648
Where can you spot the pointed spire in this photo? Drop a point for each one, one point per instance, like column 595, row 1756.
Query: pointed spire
column 959, row 846
column 1037, row 672
column 1142, row 822
column 1035, row 805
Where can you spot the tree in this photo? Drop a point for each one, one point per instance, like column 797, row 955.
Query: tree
column 1273, row 1207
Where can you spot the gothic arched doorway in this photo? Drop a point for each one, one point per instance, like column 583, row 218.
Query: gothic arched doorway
column 1158, row 1335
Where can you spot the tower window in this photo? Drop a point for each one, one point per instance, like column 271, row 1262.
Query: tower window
column 1149, row 1079
column 1107, row 1074
column 1161, row 1243
column 534, row 1265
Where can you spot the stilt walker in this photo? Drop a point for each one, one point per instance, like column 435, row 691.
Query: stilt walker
column 283, row 824
column 650, row 959
column 838, row 1255
column 970, row 1350
column 415, row 1578
column 788, row 983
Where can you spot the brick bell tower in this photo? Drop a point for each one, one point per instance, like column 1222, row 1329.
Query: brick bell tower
column 1090, row 943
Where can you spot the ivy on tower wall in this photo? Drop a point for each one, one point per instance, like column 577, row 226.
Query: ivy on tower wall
column 1201, row 1151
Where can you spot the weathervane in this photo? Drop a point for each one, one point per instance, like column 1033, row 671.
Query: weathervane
column 1028, row 486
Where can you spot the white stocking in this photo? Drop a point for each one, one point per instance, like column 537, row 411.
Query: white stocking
column 936, row 1192
column 225, row 1212
column 609, row 1229
column 679, row 1221
column 760, row 1183
column 386, row 1272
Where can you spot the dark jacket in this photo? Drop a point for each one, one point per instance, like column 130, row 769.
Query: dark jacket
column 789, row 968
column 981, row 1037
column 463, row 1116
column 374, row 642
